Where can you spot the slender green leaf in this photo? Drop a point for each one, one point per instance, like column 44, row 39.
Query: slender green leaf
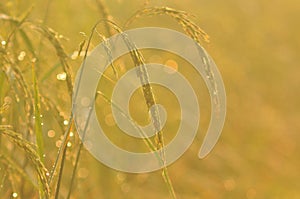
column 37, row 116
column 38, row 126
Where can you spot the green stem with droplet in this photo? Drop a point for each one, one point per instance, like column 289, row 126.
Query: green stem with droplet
column 38, row 125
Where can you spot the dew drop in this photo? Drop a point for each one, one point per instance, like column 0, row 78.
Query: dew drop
column 14, row 195
column 47, row 174
column 69, row 144
column 74, row 55
column 66, row 122
column 61, row 76
column 21, row 56
column 3, row 43
column 33, row 60
column 42, row 124
column 71, row 134
column 58, row 143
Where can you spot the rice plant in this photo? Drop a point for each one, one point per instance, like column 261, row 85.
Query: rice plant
column 33, row 107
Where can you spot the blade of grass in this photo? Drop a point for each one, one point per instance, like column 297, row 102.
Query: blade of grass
column 38, row 125
column 27, row 41
column 37, row 117
column 19, row 22
column 3, row 178
column 50, row 71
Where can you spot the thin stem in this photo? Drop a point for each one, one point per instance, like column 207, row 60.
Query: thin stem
column 62, row 149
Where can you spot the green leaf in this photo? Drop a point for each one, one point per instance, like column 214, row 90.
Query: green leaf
column 37, row 116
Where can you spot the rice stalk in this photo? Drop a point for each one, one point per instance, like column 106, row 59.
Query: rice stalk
column 12, row 70
column 190, row 28
column 17, row 81
column 53, row 39
column 181, row 17
column 5, row 105
column 142, row 73
column 149, row 97
column 16, row 168
column 46, row 32
column 33, row 156
column 147, row 89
